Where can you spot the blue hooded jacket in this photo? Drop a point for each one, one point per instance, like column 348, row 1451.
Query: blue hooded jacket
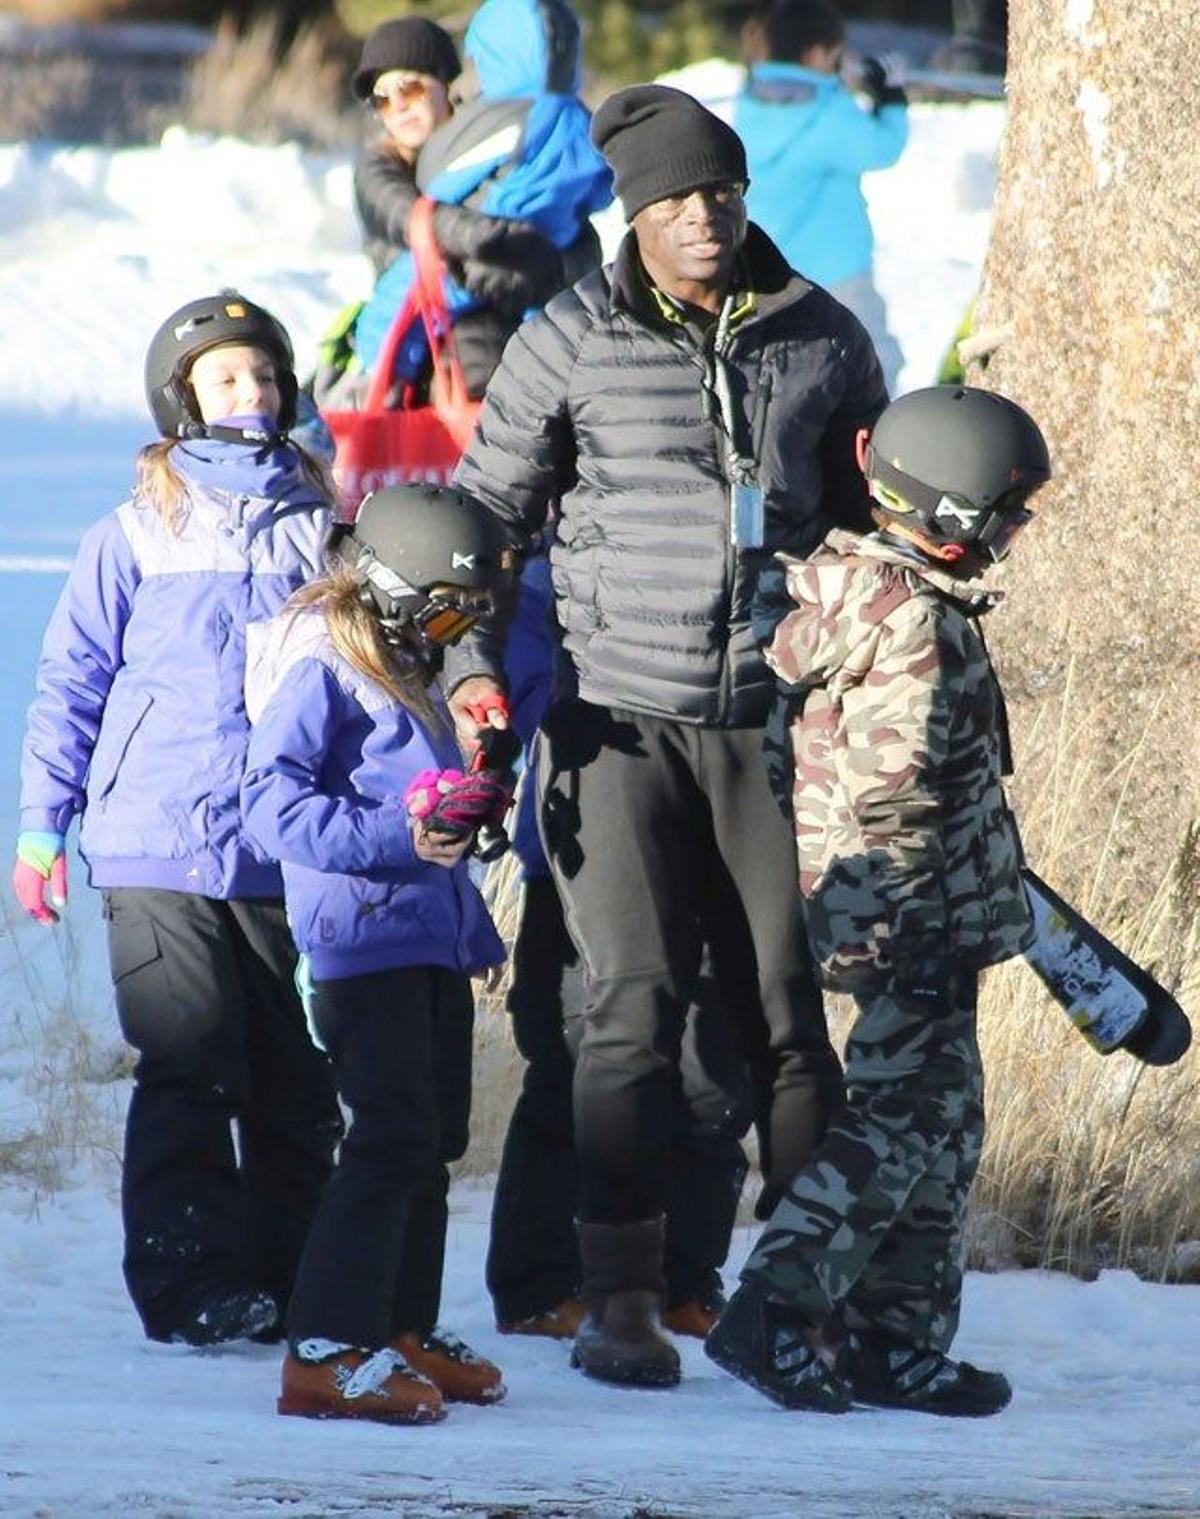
column 139, row 721
column 808, row 142
column 330, row 758
column 521, row 150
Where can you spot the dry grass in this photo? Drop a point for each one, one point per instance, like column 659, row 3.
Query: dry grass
column 242, row 87
column 1091, row 1160
column 67, row 1111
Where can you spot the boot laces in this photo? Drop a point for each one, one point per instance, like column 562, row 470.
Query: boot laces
column 373, row 1373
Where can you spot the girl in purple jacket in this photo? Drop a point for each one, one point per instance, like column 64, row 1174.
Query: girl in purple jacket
column 352, row 748
column 139, row 724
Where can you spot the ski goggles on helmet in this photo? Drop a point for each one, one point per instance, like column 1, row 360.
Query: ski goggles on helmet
column 448, row 614
column 1000, row 531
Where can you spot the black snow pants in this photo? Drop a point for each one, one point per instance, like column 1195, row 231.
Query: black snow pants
column 205, row 993
column 653, row 828
column 533, row 1253
column 400, row 1042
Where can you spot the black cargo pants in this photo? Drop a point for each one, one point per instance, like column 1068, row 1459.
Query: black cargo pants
column 205, row 993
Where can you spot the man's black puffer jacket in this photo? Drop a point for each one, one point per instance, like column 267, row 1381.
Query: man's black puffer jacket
column 598, row 400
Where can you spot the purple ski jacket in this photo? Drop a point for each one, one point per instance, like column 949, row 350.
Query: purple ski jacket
column 331, row 755
column 139, row 719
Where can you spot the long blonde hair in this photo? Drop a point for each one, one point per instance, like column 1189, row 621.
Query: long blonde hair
column 161, row 487
column 356, row 634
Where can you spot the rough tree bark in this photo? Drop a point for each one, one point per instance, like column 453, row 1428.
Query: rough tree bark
column 1094, row 272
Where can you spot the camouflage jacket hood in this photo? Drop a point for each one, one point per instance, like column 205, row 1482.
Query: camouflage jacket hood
column 908, row 853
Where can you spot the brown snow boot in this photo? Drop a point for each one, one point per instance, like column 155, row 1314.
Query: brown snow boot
column 621, row 1338
column 459, row 1374
column 324, row 1380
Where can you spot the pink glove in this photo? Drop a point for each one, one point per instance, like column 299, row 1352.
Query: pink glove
column 426, row 790
column 41, row 860
column 475, row 799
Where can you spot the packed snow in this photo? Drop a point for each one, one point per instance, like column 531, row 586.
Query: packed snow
column 96, row 246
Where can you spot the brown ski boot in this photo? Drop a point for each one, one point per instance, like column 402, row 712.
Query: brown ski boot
column 621, row 1338
column 459, row 1374
column 324, row 1380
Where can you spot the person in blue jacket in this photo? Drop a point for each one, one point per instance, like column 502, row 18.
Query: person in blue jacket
column 351, row 740
column 808, row 142
column 519, row 160
column 139, row 724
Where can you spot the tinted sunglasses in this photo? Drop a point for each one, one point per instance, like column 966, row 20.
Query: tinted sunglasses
column 400, row 92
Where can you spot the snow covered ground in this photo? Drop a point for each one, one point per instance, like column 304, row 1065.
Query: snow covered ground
column 97, row 1421
column 95, row 248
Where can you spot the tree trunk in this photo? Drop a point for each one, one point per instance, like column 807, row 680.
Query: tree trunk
column 1094, row 272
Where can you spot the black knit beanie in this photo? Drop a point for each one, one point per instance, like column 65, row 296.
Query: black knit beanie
column 663, row 142
column 410, row 43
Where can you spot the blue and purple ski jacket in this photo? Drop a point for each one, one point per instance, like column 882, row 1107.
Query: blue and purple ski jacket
column 331, row 755
column 139, row 718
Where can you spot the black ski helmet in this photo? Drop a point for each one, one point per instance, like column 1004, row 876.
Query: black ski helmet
column 210, row 322
column 958, row 464
column 407, row 539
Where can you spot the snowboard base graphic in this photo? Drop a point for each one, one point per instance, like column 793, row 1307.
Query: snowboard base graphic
column 1112, row 1001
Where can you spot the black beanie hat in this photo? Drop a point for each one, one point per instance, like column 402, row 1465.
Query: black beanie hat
column 663, row 142
column 411, row 43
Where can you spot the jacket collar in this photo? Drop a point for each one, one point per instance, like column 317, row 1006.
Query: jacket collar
column 764, row 271
column 974, row 595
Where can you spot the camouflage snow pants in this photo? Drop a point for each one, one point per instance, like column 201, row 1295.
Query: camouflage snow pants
column 871, row 1230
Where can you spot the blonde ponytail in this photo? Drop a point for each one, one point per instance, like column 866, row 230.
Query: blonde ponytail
column 355, row 633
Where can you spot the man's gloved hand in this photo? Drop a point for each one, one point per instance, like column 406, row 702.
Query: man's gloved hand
column 882, row 79
column 41, row 859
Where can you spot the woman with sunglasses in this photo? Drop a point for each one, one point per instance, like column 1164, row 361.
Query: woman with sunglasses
column 513, row 172
column 351, row 737
column 504, row 264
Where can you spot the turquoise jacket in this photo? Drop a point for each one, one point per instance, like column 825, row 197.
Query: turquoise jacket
column 808, row 142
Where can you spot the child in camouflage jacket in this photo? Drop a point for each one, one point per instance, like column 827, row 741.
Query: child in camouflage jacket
column 909, row 867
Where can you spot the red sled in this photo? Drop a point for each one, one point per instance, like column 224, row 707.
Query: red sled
column 381, row 445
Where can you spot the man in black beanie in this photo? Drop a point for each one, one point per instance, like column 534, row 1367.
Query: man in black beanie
column 692, row 408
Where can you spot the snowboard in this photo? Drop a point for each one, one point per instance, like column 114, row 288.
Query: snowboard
column 1113, row 1002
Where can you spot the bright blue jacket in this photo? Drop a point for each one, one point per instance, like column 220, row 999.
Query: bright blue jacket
column 807, row 143
column 139, row 721
column 331, row 755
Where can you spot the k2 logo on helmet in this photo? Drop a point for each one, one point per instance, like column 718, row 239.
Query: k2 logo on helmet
column 962, row 513
column 461, row 561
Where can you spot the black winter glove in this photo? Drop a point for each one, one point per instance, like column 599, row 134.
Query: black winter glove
column 881, row 81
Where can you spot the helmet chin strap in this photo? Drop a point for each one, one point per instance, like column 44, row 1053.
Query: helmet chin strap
column 222, row 432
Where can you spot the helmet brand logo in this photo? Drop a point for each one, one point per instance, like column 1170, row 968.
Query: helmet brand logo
column 462, row 561
column 235, row 309
column 962, row 512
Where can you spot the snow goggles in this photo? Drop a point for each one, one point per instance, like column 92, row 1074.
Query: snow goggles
column 1000, row 531
column 447, row 614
